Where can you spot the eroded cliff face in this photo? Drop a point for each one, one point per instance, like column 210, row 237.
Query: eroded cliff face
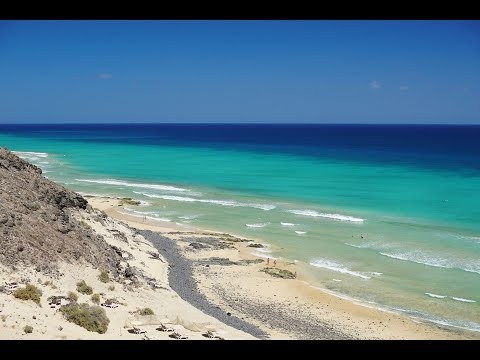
column 37, row 226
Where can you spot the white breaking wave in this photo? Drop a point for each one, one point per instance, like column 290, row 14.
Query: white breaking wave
column 337, row 280
column 147, row 217
column 376, row 273
column 463, row 300
column 256, row 225
column 264, row 250
column 265, row 256
column 332, row 265
column 425, row 259
column 436, row 295
column 30, row 154
column 191, row 217
column 287, row 224
column 136, row 185
column 265, row 207
column 300, row 232
column 325, row 215
column 149, row 212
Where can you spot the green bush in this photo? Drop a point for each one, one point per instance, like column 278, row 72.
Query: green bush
column 29, row 292
column 92, row 318
column 83, row 288
column 96, row 298
column 72, row 296
column 145, row 311
column 28, row 329
column 103, row 277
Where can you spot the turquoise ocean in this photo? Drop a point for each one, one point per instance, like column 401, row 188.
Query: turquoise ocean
column 386, row 215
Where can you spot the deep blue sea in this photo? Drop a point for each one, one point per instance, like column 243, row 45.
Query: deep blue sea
column 386, row 214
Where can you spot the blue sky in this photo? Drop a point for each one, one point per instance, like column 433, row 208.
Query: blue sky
column 240, row 71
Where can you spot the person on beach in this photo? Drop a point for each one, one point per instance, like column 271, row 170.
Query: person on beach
column 274, row 263
column 268, row 261
column 144, row 218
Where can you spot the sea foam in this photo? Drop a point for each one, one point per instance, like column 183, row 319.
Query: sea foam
column 256, row 225
column 30, row 154
column 425, row 259
column 136, row 185
column 326, row 215
column 462, row 299
column 147, row 217
column 300, row 232
column 287, row 224
column 436, row 295
column 334, row 266
column 232, row 203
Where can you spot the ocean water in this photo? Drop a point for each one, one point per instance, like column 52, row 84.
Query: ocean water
column 388, row 215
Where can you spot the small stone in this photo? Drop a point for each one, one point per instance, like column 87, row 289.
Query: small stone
column 229, row 314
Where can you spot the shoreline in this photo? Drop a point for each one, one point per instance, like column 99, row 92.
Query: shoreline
column 334, row 316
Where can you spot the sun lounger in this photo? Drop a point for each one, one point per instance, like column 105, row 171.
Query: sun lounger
column 209, row 334
column 212, row 335
column 176, row 335
column 112, row 305
column 135, row 330
column 163, row 328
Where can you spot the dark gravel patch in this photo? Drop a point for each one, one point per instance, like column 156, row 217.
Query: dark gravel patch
column 293, row 320
column 180, row 277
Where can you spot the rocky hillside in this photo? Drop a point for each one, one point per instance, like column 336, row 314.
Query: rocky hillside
column 36, row 223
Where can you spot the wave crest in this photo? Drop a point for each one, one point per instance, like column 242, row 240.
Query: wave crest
column 334, row 266
column 232, row 203
column 314, row 213
column 136, row 185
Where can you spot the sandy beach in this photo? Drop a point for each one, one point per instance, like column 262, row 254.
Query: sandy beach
column 229, row 277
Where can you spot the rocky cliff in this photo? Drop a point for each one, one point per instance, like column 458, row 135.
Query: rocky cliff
column 37, row 226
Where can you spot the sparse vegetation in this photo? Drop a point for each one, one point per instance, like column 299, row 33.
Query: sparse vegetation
column 72, row 296
column 281, row 273
column 255, row 245
column 103, row 277
column 129, row 201
column 145, row 311
column 4, row 318
column 83, row 288
column 29, row 292
column 96, row 298
column 92, row 318
column 28, row 329
column 2, row 289
column 111, row 287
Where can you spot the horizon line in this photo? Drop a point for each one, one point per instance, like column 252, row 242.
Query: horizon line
column 237, row 123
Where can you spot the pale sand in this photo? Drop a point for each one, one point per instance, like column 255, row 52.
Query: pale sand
column 271, row 302
column 169, row 308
